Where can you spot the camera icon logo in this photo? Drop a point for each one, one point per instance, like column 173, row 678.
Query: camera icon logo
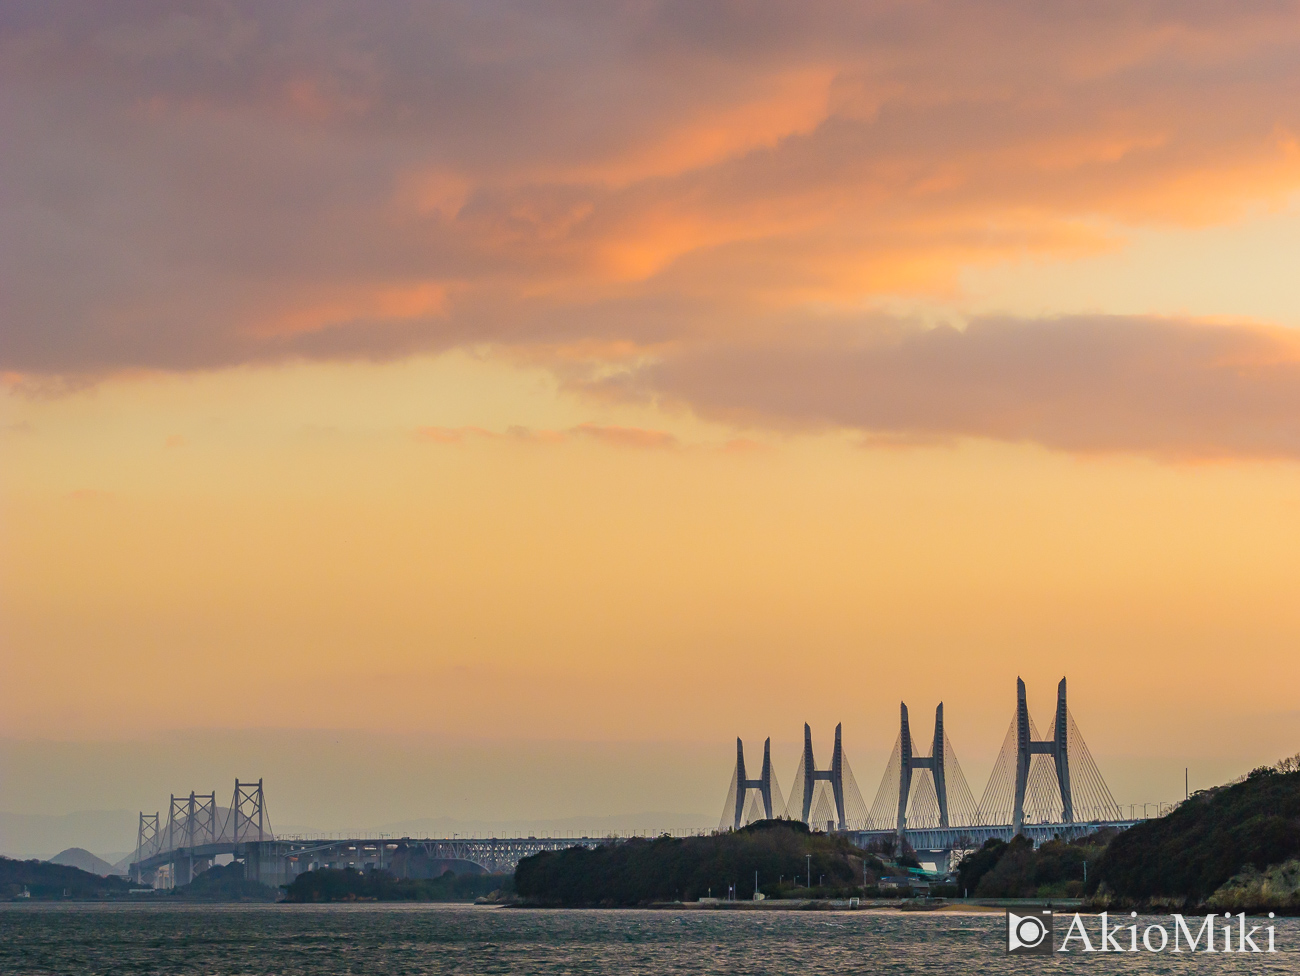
column 1029, row 935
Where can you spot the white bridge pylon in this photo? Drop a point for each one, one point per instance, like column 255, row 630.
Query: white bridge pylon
column 1046, row 779
column 1037, row 781
column 922, row 789
column 827, row 798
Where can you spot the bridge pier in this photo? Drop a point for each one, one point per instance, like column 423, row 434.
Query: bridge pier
column 267, row 862
column 941, row 859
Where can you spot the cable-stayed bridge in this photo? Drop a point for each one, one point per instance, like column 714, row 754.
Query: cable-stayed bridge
column 1041, row 787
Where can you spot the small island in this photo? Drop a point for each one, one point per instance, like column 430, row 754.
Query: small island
column 349, row 885
column 771, row 858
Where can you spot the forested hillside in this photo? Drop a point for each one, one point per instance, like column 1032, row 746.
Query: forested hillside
column 783, row 854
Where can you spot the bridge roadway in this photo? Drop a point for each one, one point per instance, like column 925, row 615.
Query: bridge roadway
column 942, row 841
column 277, row 862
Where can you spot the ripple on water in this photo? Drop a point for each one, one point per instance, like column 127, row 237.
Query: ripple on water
column 407, row 940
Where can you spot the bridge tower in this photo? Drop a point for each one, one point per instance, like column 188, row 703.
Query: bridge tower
column 1026, row 748
column 248, row 812
column 147, row 841
column 933, row 762
column 834, row 775
column 191, row 821
column 763, row 784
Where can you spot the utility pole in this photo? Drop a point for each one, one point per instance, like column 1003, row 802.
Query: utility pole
column 809, row 857
column 1186, row 792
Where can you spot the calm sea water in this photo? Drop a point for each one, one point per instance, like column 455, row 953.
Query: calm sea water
column 394, row 940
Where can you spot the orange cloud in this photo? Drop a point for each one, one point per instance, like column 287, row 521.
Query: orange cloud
column 743, row 445
column 785, row 104
column 780, row 157
column 379, row 302
column 619, row 187
column 627, row 436
column 1171, row 388
column 617, row 436
column 528, row 435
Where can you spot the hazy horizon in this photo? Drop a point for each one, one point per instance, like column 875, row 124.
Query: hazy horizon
column 342, row 781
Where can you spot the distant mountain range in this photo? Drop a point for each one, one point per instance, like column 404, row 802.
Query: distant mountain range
column 79, row 857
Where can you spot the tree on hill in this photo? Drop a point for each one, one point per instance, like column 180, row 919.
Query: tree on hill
column 225, row 884
column 45, row 880
column 349, row 884
column 640, row 871
column 1018, row 870
column 1207, row 840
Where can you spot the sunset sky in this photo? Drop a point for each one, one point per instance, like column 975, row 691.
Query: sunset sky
column 527, row 379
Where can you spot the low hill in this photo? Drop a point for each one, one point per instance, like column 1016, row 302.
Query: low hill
column 640, row 871
column 1219, row 836
column 1017, row 869
column 79, row 857
column 348, row 884
column 42, row 879
column 225, row 884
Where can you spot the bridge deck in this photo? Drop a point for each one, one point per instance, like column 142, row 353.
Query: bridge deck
column 278, row 861
column 493, row 854
column 969, row 838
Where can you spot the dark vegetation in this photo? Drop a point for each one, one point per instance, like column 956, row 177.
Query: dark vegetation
column 1015, row 870
column 640, row 871
column 45, row 880
column 1186, row 856
column 1235, row 847
column 348, row 884
column 225, row 884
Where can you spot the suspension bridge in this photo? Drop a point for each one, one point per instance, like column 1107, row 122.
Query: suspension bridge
column 198, row 833
column 1041, row 787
